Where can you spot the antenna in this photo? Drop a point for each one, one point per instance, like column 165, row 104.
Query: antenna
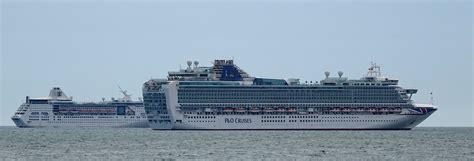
column 126, row 97
column 121, row 90
column 431, row 94
column 374, row 70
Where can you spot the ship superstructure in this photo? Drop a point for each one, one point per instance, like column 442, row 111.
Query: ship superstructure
column 59, row 110
column 224, row 96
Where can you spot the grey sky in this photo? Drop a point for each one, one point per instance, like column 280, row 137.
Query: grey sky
column 88, row 48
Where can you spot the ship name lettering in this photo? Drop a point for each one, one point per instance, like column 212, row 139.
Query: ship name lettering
column 237, row 120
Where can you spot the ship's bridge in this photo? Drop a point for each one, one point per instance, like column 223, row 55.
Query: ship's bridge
column 374, row 75
column 222, row 70
column 55, row 94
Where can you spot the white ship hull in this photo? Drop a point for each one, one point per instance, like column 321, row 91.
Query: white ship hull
column 284, row 122
column 42, row 115
column 85, row 121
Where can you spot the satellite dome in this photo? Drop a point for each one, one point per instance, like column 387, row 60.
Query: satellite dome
column 189, row 63
column 327, row 74
column 340, row 74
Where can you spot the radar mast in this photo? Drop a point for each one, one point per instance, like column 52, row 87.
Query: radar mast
column 374, row 70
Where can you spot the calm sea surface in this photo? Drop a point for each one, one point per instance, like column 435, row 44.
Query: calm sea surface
column 138, row 144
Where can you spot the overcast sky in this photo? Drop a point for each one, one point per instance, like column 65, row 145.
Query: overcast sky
column 89, row 48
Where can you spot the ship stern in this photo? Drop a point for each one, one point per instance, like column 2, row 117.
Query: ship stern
column 19, row 122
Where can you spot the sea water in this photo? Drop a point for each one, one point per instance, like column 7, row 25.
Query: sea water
column 145, row 144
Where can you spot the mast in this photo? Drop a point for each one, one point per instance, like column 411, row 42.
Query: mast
column 374, row 70
column 126, row 97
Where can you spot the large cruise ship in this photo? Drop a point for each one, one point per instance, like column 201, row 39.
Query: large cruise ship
column 58, row 110
column 224, row 97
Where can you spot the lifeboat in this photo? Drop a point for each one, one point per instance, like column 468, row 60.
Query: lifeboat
column 360, row 110
column 241, row 109
column 303, row 113
column 255, row 110
column 208, row 110
column 292, row 110
column 228, row 110
column 334, row 110
column 346, row 110
column 372, row 110
column 397, row 110
column 383, row 110
column 268, row 109
column 281, row 109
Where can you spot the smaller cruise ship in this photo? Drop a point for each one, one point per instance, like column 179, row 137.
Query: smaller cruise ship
column 58, row 110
